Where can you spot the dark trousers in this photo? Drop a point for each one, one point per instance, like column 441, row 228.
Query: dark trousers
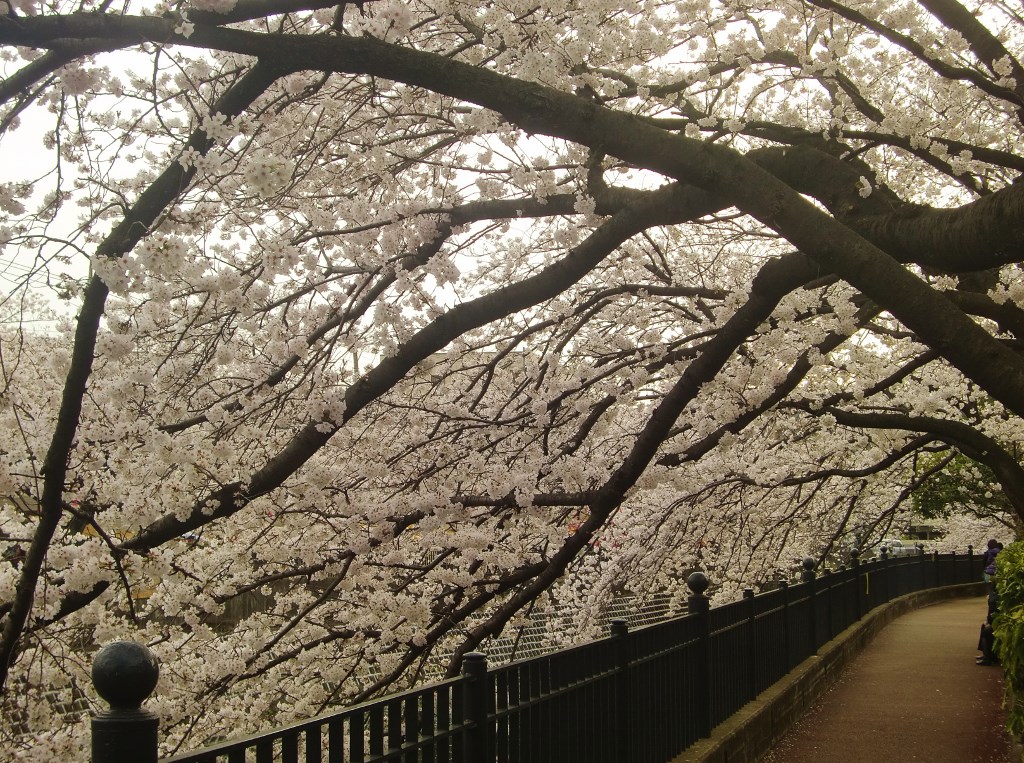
column 987, row 643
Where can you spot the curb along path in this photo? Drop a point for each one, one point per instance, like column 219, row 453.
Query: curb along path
column 914, row 693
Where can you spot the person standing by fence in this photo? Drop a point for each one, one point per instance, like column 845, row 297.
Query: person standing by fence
column 988, row 559
column 987, row 639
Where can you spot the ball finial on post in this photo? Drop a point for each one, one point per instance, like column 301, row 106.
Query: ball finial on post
column 808, row 564
column 124, row 674
column 698, row 582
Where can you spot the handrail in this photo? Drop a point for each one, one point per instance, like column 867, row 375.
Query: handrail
column 637, row 696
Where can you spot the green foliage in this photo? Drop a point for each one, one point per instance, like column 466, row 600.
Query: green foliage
column 1009, row 630
column 962, row 485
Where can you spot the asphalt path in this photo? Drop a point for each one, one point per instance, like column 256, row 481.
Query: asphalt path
column 915, row 693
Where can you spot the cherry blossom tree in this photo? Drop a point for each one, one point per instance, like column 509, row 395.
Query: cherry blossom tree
column 343, row 335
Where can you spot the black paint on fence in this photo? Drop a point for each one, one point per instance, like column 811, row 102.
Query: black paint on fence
column 640, row 696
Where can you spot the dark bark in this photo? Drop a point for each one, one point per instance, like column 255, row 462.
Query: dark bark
column 796, row 374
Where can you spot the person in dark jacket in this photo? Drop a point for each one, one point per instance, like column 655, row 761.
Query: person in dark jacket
column 988, row 559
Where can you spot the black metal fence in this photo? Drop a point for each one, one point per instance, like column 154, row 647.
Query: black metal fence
column 637, row 696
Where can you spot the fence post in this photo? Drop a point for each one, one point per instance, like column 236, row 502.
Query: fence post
column 970, row 564
column 624, row 738
column 808, row 576
column 699, row 606
column 858, row 584
column 922, row 567
column 882, row 578
column 124, row 674
column 831, row 605
column 478, row 708
column 786, row 645
column 748, row 596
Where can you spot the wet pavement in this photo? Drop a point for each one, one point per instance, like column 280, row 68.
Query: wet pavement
column 914, row 694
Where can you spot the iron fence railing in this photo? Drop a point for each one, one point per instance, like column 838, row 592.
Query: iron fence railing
column 641, row 695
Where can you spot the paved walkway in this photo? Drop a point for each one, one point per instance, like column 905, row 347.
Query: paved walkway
column 913, row 694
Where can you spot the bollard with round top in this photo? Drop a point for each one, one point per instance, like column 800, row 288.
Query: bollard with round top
column 124, row 674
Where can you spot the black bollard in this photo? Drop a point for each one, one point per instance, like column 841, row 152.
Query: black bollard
column 124, row 674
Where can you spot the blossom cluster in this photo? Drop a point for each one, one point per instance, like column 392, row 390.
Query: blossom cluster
column 267, row 174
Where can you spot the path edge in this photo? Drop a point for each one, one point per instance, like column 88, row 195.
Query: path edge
column 753, row 730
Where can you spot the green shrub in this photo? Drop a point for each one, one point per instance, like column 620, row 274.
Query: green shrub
column 1009, row 630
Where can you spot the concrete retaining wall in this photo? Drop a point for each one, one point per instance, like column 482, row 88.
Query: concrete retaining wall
column 750, row 733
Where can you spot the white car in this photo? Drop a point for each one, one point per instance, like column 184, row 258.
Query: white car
column 895, row 546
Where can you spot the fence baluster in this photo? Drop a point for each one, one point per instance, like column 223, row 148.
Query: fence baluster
column 357, row 737
column 289, row 748
column 787, row 630
column 884, row 576
column 314, row 743
column 335, row 741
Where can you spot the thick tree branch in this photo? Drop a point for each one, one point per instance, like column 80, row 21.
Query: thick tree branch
column 478, row 312
column 796, row 374
column 969, row 440
column 913, row 47
column 985, row 45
